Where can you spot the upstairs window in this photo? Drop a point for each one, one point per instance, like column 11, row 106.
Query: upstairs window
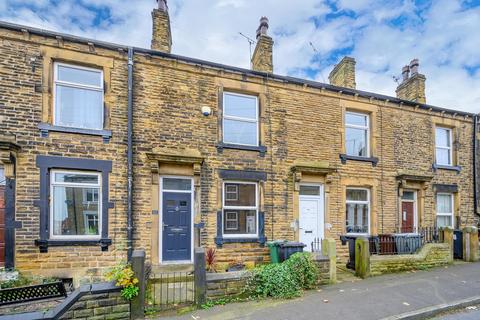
column 444, row 210
column 443, row 146
column 78, row 97
column 240, row 209
column 75, row 204
column 357, row 132
column 358, row 210
column 240, row 119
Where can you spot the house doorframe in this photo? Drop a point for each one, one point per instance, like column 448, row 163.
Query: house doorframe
column 160, row 223
column 415, row 208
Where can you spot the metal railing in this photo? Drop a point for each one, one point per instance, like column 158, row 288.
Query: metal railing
column 316, row 245
column 404, row 243
column 170, row 290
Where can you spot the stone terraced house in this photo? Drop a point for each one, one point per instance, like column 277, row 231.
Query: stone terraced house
column 105, row 148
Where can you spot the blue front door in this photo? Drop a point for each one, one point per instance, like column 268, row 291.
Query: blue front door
column 176, row 235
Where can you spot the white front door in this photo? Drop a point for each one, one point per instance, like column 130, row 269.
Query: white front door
column 311, row 220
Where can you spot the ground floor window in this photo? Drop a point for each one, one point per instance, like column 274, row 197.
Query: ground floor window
column 444, row 210
column 357, row 210
column 75, row 204
column 240, row 208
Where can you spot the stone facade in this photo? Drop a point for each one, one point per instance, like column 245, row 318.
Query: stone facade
column 301, row 140
column 25, row 104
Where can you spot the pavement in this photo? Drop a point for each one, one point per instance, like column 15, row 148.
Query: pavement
column 374, row 298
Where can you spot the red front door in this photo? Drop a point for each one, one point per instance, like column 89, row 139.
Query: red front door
column 408, row 216
column 2, row 224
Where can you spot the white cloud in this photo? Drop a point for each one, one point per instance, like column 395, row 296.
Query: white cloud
column 382, row 36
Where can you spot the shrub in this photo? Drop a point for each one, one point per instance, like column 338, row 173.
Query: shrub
column 124, row 277
column 304, row 269
column 283, row 280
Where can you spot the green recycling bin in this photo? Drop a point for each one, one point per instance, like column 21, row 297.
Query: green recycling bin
column 274, row 247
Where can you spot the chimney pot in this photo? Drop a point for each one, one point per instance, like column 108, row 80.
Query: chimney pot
column 412, row 87
column 414, row 66
column 405, row 72
column 162, row 5
column 263, row 27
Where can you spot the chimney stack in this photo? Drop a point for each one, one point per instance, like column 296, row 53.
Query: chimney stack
column 262, row 59
column 343, row 75
column 161, row 35
column 413, row 86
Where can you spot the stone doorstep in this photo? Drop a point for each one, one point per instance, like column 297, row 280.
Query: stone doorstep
column 171, row 268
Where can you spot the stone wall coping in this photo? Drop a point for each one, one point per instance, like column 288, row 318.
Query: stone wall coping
column 59, row 310
column 418, row 256
column 233, row 275
column 320, row 258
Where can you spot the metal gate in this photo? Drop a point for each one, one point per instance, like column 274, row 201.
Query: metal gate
column 170, row 290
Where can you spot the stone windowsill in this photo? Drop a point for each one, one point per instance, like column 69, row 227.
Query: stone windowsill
column 260, row 149
column 45, row 128
column 345, row 157
column 444, row 167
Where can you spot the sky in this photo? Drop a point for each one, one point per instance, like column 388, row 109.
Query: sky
column 310, row 36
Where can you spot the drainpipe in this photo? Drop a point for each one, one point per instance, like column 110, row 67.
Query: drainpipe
column 130, row 156
column 475, row 149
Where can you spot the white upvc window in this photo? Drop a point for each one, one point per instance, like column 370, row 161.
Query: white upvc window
column 445, row 210
column 357, row 134
column 78, row 97
column 240, row 214
column 72, row 216
column 443, row 146
column 240, row 119
column 357, row 218
column 2, row 176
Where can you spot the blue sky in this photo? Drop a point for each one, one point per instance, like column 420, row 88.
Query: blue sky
column 381, row 35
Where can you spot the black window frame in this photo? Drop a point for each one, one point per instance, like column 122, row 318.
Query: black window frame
column 46, row 164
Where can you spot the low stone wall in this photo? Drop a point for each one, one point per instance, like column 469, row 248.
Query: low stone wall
column 98, row 301
column 228, row 284
column 323, row 264
column 431, row 255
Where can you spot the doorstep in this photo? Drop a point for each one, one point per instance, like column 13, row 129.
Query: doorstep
column 172, row 268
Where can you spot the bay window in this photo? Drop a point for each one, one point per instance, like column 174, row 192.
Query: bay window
column 357, row 210
column 240, row 209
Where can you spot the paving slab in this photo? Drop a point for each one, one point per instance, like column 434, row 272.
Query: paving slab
column 374, row 298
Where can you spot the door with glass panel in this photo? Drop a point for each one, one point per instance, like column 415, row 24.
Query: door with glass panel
column 311, row 217
column 409, row 223
column 176, row 228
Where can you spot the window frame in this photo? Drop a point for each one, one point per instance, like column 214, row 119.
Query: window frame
column 241, row 119
column 53, row 183
column 3, row 179
column 449, row 147
column 443, row 214
column 234, row 208
column 368, row 202
column 353, row 126
column 231, row 220
column 56, row 82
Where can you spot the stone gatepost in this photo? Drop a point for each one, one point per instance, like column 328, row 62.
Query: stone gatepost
column 470, row 244
column 448, row 238
column 329, row 249
column 362, row 257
